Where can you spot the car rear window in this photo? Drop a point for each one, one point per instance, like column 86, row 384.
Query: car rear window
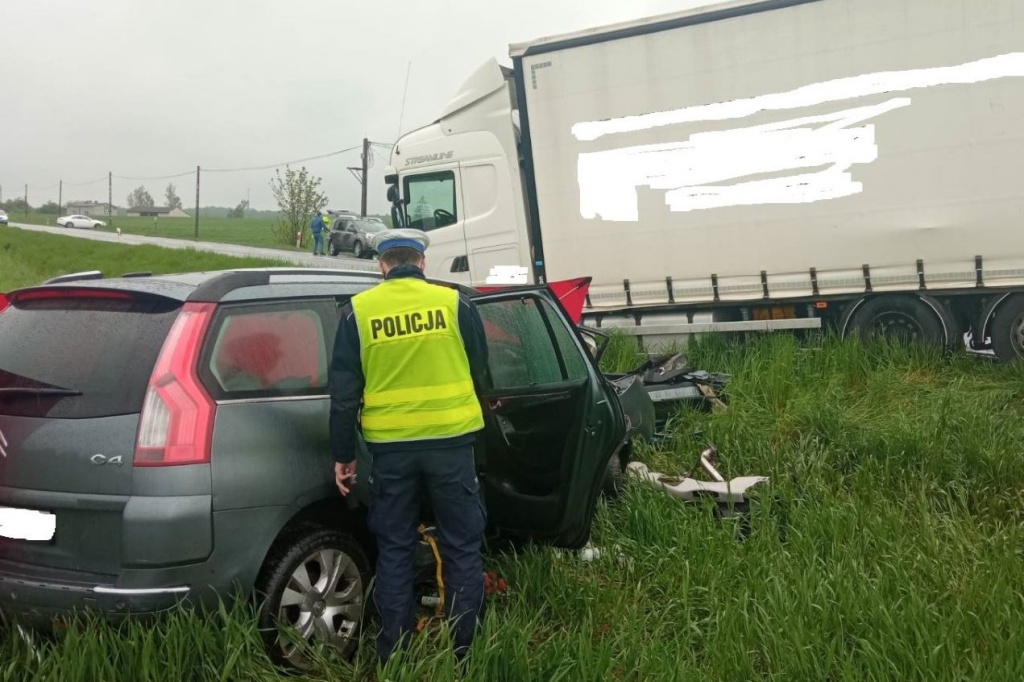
column 101, row 348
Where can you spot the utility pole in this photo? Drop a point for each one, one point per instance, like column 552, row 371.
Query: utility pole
column 110, row 195
column 197, row 203
column 366, row 163
column 60, row 197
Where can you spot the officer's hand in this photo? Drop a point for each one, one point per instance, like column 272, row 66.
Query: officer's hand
column 343, row 473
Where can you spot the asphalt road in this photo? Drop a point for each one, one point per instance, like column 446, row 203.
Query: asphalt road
column 305, row 259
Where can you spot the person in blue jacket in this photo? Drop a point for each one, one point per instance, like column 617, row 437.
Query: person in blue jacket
column 318, row 227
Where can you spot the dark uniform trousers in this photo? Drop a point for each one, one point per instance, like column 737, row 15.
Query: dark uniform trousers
column 449, row 476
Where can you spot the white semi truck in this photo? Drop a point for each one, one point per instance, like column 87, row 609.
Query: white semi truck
column 772, row 164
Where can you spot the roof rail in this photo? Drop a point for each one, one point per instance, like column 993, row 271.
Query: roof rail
column 216, row 288
column 75, row 277
column 138, row 274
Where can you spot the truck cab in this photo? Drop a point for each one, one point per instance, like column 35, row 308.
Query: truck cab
column 458, row 179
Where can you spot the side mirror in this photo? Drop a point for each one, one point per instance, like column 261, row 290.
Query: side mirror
column 397, row 219
column 393, row 192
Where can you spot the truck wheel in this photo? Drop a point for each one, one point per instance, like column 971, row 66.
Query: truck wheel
column 898, row 317
column 311, row 585
column 1008, row 330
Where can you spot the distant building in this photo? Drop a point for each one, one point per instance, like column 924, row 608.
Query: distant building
column 157, row 211
column 89, row 208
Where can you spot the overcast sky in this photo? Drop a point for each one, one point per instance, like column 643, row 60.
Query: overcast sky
column 148, row 88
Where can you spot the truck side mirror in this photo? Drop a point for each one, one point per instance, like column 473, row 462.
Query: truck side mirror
column 393, row 193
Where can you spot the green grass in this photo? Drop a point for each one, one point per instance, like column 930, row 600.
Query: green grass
column 28, row 258
column 890, row 547
column 243, row 231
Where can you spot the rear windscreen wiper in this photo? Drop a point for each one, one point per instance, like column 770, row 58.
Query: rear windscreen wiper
column 38, row 391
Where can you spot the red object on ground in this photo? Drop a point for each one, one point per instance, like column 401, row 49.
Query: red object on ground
column 494, row 584
column 572, row 293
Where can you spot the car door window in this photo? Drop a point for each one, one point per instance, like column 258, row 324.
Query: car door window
column 272, row 350
column 528, row 344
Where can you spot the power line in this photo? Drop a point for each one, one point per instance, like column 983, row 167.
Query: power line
column 162, row 177
column 82, row 184
column 278, row 165
column 370, row 160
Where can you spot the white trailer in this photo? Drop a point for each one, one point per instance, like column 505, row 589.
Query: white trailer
column 771, row 164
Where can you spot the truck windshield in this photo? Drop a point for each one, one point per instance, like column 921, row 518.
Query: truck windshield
column 430, row 200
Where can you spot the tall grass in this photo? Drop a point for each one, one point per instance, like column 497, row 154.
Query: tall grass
column 888, row 546
column 244, row 231
column 28, row 258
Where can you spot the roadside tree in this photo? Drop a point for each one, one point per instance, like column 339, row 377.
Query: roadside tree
column 171, row 194
column 16, row 206
column 140, row 198
column 299, row 196
column 239, row 211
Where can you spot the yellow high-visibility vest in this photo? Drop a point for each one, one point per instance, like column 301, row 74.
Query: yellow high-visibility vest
column 418, row 383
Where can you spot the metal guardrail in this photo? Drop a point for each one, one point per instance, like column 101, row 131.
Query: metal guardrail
column 709, row 327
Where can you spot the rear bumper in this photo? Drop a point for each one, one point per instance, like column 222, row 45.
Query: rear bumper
column 35, row 596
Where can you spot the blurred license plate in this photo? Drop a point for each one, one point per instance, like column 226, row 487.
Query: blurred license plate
column 26, row 524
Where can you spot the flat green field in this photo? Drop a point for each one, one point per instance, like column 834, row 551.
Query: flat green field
column 888, row 544
column 244, row 231
column 28, row 258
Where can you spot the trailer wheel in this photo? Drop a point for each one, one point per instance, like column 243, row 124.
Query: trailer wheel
column 899, row 317
column 1008, row 330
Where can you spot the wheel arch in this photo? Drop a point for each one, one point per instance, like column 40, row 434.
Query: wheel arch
column 330, row 513
column 988, row 313
column 939, row 309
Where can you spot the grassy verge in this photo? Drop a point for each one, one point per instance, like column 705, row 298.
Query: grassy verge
column 28, row 258
column 242, row 231
column 889, row 548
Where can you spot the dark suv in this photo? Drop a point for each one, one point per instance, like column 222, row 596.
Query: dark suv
column 351, row 233
column 166, row 437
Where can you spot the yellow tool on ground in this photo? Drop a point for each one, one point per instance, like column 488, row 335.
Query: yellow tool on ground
column 439, row 575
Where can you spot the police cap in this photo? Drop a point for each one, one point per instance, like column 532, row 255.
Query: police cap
column 389, row 239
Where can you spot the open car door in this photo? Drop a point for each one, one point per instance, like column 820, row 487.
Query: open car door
column 552, row 421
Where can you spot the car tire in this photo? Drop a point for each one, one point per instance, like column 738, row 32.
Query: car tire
column 357, row 250
column 297, row 588
column 613, row 482
column 1007, row 330
column 332, row 249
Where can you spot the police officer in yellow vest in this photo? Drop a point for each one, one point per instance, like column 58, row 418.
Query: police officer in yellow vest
column 413, row 356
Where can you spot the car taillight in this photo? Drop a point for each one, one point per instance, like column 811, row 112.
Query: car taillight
column 4, row 301
column 176, row 424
